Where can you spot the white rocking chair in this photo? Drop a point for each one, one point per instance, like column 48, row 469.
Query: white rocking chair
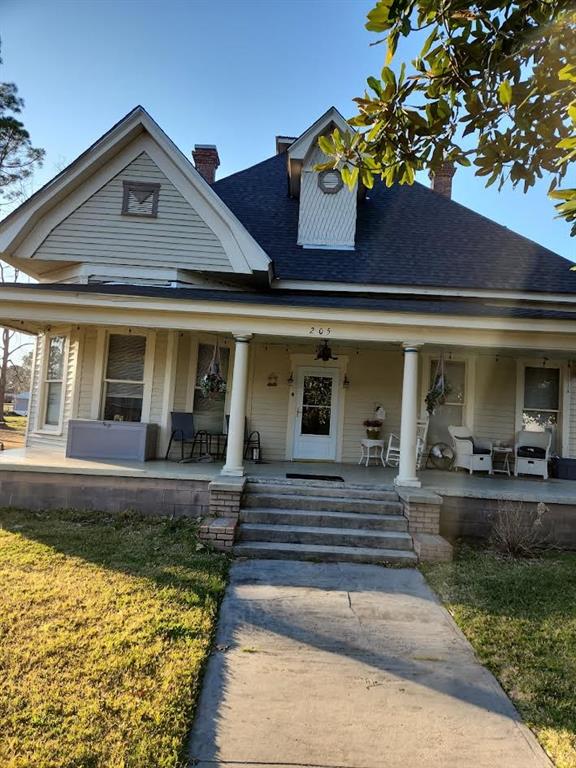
column 393, row 450
column 470, row 454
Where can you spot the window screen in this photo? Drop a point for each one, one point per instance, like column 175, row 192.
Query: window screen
column 541, row 397
column 124, row 380
column 54, row 380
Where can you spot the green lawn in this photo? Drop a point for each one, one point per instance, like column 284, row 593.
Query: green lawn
column 520, row 616
column 13, row 429
column 105, row 624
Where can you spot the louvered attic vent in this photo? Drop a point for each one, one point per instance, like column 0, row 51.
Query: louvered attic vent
column 140, row 199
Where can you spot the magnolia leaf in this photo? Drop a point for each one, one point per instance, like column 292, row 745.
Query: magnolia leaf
column 392, row 44
column 568, row 73
column 505, row 93
column 429, row 40
column 350, row 176
column 367, row 178
column 325, row 145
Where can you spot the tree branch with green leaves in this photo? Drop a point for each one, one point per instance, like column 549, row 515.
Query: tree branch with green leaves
column 494, row 86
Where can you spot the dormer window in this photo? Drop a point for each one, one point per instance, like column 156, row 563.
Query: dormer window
column 140, row 199
column 330, row 182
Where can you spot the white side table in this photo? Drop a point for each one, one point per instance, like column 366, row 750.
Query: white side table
column 502, row 453
column 366, row 447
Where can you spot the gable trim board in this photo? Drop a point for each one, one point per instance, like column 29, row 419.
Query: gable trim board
column 22, row 232
column 300, row 147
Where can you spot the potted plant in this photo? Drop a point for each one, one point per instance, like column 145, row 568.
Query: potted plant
column 440, row 388
column 213, row 383
column 373, row 427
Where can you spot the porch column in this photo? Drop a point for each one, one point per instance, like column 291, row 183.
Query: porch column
column 408, row 427
column 235, row 447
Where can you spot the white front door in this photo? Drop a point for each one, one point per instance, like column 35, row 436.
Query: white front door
column 316, row 426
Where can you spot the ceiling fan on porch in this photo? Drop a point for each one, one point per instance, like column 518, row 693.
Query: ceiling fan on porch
column 324, row 352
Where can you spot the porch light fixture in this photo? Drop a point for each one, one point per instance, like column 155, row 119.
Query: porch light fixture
column 346, row 382
column 272, row 380
column 324, row 352
column 290, row 379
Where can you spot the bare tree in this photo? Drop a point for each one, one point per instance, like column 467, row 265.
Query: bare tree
column 11, row 342
column 18, row 158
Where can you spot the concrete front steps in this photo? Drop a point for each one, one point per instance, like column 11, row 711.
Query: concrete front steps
column 323, row 521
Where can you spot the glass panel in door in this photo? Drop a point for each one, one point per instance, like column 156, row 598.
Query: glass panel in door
column 316, row 405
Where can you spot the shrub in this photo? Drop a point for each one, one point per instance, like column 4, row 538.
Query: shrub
column 518, row 531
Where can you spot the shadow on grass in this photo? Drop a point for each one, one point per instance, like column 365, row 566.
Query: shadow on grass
column 158, row 549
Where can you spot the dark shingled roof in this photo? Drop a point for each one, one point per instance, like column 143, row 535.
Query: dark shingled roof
column 323, row 299
column 404, row 236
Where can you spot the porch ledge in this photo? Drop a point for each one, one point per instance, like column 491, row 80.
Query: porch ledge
column 432, row 548
column 418, row 496
column 228, row 483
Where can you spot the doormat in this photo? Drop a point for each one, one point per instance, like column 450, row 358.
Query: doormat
column 296, row 476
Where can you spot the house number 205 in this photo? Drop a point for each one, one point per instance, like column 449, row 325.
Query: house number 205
column 320, row 331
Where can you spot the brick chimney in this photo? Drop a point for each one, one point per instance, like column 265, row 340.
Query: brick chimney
column 442, row 179
column 206, row 161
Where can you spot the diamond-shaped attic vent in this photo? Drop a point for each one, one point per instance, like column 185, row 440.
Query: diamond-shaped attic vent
column 140, row 198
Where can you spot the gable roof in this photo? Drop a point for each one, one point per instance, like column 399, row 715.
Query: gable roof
column 300, row 146
column 405, row 236
column 51, row 204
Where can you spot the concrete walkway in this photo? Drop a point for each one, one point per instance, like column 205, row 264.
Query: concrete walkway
column 351, row 666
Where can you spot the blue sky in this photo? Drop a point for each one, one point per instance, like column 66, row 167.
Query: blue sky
column 228, row 72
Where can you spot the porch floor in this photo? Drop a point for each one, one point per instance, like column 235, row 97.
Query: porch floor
column 478, row 486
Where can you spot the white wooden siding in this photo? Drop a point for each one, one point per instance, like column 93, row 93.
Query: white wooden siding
column 86, row 374
column 268, row 406
column 182, row 371
column 158, row 377
column 328, row 220
column 375, row 379
column 97, row 232
column 495, row 397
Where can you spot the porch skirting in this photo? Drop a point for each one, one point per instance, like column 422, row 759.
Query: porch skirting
column 111, row 493
column 471, row 519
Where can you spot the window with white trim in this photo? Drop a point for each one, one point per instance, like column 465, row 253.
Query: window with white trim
column 209, row 409
column 53, row 382
column 124, row 377
column 541, row 406
column 451, row 411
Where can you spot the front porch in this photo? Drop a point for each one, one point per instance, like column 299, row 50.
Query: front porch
column 444, row 483
column 40, row 479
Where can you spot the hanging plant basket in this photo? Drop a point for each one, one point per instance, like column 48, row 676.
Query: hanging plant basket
column 213, row 383
column 440, row 388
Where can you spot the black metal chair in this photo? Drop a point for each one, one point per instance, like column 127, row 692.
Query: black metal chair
column 184, row 432
column 252, row 441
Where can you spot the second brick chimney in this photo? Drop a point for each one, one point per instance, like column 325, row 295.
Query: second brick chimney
column 206, row 161
column 442, row 179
